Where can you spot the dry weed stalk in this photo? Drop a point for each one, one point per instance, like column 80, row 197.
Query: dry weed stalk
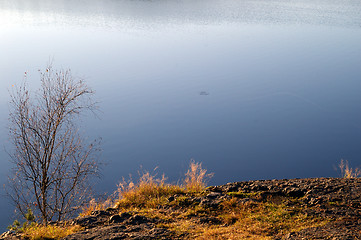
column 196, row 177
column 149, row 191
column 347, row 171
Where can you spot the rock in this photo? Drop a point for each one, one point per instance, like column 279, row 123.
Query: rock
column 85, row 221
column 210, row 220
column 337, row 200
column 215, row 188
column 111, row 209
column 295, row 192
column 98, row 213
column 156, row 232
column 247, row 201
column 10, row 235
column 214, row 195
column 138, row 219
column 210, row 203
column 116, row 219
column 100, row 233
column 120, row 218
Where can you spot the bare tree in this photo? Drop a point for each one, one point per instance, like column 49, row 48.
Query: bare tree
column 52, row 162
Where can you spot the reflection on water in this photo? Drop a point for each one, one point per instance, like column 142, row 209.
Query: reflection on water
column 137, row 13
column 253, row 89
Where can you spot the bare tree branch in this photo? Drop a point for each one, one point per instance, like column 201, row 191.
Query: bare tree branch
column 52, row 162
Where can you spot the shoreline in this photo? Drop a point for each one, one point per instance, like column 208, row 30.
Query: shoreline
column 329, row 208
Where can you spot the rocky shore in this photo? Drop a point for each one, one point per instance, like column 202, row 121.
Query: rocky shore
column 337, row 201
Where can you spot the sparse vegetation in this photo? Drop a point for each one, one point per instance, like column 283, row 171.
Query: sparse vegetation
column 178, row 208
column 196, row 177
column 30, row 222
column 34, row 231
column 151, row 192
column 39, row 231
column 242, row 194
column 347, row 171
column 94, row 205
column 148, row 192
column 188, row 211
column 234, row 219
column 267, row 218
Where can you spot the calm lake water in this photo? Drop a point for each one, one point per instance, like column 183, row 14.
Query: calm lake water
column 253, row 89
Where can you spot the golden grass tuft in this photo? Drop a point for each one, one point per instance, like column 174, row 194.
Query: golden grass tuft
column 196, row 177
column 151, row 192
column 38, row 231
column 348, row 172
column 148, row 192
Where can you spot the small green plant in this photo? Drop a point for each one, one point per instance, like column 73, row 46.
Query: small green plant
column 242, row 194
column 29, row 216
column 335, row 203
column 30, row 222
column 34, row 231
column 15, row 226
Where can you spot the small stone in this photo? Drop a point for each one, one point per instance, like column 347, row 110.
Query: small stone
column 116, row 219
column 85, row 221
column 213, row 195
column 119, row 218
column 157, row 232
column 98, row 213
column 110, row 209
column 137, row 219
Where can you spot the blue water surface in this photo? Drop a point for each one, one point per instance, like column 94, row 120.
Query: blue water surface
column 252, row 89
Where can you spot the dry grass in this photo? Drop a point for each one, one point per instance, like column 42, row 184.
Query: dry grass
column 94, row 205
column 187, row 218
column 256, row 220
column 148, row 192
column 233, row 219
column 38, row 231
column 348, row 172
column 228, row 232
column 196, row 177
column 236, row 220
column 269, row 219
